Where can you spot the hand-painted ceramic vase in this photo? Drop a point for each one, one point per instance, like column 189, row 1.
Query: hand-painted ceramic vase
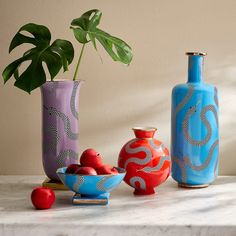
column 146, row 161
column 194, row 131
column 59, row 125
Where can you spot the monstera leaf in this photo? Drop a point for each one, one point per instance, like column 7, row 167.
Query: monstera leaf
column 57, row 55
column 85, row 30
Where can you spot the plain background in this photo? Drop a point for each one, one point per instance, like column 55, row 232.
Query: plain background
column 115, row 97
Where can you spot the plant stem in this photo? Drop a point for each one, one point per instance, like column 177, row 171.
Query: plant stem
column 78, row 63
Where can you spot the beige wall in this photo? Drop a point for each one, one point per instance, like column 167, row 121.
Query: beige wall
column 115, row 97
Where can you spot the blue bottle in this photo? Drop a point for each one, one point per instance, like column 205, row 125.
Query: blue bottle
column 194, row 128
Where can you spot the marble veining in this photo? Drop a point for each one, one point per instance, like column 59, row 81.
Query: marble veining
column 172, row 211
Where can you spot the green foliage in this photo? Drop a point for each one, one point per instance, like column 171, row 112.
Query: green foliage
column 61, row 52
column 57, row 55
column 85, row 30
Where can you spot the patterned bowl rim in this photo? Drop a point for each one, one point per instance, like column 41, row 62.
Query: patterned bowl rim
column 121, row 171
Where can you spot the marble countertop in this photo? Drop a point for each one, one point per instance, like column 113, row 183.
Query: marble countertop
column 172, row 211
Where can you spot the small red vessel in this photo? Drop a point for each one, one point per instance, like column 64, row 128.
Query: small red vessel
column 146, row 160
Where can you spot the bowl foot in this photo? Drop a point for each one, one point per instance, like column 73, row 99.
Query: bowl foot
column 101, row 199
column 144, row 192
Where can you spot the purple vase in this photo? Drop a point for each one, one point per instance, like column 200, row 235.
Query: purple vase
column 60, row 129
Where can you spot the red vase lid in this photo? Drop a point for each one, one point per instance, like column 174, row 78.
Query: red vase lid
column 144, row 132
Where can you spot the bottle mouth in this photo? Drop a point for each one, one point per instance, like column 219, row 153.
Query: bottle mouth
column 196, row 53
column 148, row 128
column 144, row 132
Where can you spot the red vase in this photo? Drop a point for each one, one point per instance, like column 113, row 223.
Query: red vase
column 146, row 161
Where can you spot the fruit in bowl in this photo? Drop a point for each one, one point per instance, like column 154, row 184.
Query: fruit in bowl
column 91, row 164
column 92, row 176
column 86, row 170
column 91, row 184
column 72, row 169
column 91, row 158
column 106, row 170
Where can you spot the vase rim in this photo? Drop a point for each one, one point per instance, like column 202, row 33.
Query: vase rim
column 64, row 80
column 145, row 128
column 196, row 53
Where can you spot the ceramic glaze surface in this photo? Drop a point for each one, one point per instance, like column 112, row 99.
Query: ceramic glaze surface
column 146, row 161
column 194, row 131
column 60, row 125
column 90, row 184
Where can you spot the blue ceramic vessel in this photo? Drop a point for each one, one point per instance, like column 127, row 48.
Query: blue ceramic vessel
column 90, row 185
column 194, row 128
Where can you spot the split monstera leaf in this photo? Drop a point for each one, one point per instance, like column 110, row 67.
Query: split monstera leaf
column 85, row 30
column 60, row 53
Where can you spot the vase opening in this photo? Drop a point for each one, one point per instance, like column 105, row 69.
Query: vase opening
column 144, row 132
column 65, row 80
column 196, row 53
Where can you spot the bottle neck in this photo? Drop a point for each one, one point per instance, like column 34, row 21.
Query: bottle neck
column 195, row 68
column 144, row 132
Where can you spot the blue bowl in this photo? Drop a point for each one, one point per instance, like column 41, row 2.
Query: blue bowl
column 91, row 184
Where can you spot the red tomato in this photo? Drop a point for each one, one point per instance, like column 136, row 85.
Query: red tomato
column 42, row 198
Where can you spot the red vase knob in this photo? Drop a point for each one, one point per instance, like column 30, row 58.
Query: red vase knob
column 146, row 161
